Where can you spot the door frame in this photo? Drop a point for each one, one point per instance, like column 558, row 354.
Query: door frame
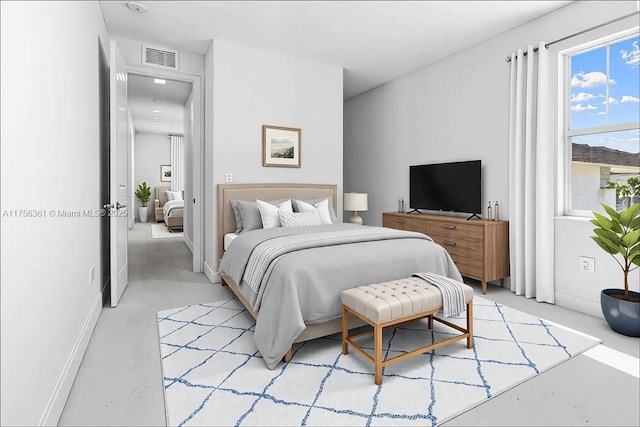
column 197, row 157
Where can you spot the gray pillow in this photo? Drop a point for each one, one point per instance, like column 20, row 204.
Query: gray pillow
column 236, row 213
column 332, row 214
column 250, row 214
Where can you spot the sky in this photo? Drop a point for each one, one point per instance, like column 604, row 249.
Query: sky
column 593, row 89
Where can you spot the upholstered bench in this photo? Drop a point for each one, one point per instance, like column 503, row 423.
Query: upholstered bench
column 393, row 303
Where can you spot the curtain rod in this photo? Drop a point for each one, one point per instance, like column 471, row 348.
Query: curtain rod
column 508, row 58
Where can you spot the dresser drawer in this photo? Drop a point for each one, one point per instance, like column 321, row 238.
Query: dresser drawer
column 462, row 247
column 408, row 224
column 469, row 267
column 454, row 230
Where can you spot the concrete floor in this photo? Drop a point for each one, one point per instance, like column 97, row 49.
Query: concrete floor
column 120, row 382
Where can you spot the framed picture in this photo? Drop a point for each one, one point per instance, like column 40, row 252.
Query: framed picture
column 165, row 173
column 281, row 146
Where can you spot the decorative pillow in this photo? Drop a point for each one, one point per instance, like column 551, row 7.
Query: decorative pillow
column 321, row 207
column 299, row 219
column 269, row 212
column 332, row 214
column 175, row 195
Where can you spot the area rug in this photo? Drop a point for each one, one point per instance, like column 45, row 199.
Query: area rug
column 160, row 231
column 213, row 374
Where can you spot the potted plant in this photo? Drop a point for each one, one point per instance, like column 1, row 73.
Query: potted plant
column 619, row 234
column 143, row 193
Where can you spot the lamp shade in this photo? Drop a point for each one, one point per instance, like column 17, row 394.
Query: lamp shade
column 355, row 202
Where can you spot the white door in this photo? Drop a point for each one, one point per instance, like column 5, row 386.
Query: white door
column 118, row 171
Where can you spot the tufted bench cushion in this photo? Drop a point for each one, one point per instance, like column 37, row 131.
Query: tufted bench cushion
column 393, row 303
column 382, row 302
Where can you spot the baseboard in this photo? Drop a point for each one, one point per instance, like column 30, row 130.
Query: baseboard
column 188, row 242
column 581, row 305
column 213, row 276
column 55, row 406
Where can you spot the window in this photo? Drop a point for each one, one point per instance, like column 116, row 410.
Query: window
column 602, row 113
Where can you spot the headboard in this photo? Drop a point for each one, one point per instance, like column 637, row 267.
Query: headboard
column 228, row 192
column 161, row 194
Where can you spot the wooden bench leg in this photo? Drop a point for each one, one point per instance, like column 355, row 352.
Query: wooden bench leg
column 345, row 331
column 430, row 321
column 470, row 324
column 377, row 345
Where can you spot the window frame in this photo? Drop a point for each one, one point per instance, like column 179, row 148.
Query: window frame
column 566, row 134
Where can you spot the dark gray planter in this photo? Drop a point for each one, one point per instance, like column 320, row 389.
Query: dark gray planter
column 622, row 316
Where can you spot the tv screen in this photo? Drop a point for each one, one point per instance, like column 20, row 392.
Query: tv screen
column 454, row 187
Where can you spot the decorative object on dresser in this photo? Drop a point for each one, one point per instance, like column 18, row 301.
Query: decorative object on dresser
column 356, row 202
column 281, row 146
column 143, row 193
column 480, row 248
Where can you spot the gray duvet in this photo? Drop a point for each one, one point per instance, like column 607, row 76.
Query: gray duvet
column 293, row 276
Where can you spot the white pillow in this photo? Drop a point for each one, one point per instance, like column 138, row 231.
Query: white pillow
column 322, row 207
column 169, row 195
column 299, row 219
column 269, row 212
column 175, row 195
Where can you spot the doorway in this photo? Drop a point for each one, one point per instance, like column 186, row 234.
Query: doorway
column 161, row 107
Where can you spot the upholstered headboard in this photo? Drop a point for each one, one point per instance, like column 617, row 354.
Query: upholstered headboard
column 161, row 194
column 228, row 192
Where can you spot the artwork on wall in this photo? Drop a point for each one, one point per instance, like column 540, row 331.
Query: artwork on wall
column 281, row 146
column 165, row 173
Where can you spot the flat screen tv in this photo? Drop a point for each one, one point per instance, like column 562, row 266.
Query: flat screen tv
column 450, row 187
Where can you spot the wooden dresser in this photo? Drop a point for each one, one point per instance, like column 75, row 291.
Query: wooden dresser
column 480, row 248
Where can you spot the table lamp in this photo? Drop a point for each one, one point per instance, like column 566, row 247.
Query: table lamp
column 356, row 202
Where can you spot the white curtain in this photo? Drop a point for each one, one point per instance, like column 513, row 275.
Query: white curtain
column 177, row 163
column 532, row 174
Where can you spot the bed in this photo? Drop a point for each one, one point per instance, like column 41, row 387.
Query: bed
column 291, row 278
column 169, row 207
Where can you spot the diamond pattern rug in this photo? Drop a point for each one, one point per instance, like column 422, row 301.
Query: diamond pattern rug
column 213, row 374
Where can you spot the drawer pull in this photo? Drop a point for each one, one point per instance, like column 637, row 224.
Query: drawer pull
column 450, row 243
column 449, row 226
column 402, row 221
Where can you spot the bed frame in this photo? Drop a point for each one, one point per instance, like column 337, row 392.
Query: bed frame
column 227, row 224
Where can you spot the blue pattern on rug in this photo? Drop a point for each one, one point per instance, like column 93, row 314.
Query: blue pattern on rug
column 213, row 375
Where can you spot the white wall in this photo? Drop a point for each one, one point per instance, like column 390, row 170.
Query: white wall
column 252, row 88
column 457, row 109
column 50, row 162
column 151, row 150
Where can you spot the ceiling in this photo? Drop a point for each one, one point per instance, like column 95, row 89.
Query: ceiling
column 373, row 41
column 157, row 108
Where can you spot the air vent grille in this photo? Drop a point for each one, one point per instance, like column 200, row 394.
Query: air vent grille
column 160, row 57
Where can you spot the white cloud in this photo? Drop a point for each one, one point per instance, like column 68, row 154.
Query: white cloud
column 629, row 98
column 592, row 79
column 583, row 97
column 611, row 100
column 580, row 107
column 631, row 57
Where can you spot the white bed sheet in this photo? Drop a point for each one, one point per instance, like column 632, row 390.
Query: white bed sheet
column 228, row 238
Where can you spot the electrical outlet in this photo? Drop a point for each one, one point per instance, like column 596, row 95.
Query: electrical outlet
column 92, row 274
column 228, row 177
column 587, row 265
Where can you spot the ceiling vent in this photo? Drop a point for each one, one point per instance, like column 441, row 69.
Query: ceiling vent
column 158, row 57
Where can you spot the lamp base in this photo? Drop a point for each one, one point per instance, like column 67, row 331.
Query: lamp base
column 355, row 218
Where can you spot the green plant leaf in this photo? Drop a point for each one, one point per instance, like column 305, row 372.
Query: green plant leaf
column 603, row 221
column 608, row 249
column 631, row 239
column 627, row 215
column 610, row 236
column 612, row 212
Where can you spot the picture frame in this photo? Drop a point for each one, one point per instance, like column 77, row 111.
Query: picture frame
column 281, row 146
column 165, row 173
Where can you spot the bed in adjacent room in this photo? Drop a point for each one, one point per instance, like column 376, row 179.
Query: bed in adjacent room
column 169, row 207
column 287, row 259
